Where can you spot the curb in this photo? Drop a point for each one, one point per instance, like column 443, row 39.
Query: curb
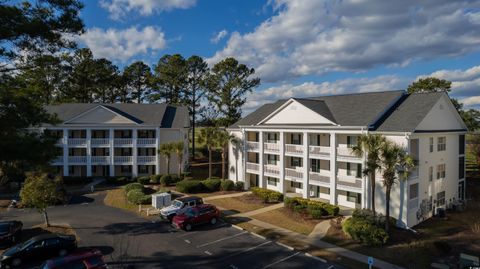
column 237, row 227
column 259, row 236
column 285, row 246
column 315, row 257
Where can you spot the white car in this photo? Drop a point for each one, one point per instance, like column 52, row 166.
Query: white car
column 179, row 206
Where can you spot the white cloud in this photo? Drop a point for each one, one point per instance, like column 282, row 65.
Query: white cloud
column 119, row 8
column 307, row 37
column 219, row 36
column 124, row 44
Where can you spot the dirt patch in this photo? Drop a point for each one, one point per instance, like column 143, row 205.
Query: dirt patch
column 289, row 220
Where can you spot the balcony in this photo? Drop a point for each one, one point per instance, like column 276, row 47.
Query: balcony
column 100, row 142
column 100, row 159
column 122, row 159
column 349, row 183
column 253, row 167
column 319, row 151
column 146, row 159
column 77, row 159
column 271, row 147
column 142, row 142
column 296, row 150
column 123, row 142
column 320, row 177
column 271, row 170
column 253, row 146
column 77, row 142
column 294, row 174
column 346, row 153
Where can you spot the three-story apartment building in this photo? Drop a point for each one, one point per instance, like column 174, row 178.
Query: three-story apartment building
column 303, row 147
column 116, row 139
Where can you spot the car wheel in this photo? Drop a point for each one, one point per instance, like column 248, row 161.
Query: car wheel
column 213, row 221
column 188, row 227
column 62, row 252
column 16, row 262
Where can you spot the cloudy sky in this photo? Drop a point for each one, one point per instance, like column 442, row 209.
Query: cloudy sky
column 301, row 47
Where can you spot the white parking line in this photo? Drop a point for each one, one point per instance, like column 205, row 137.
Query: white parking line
column 208, row 252
column 282, row 260
column 330, row 267
column 233, row 266
column 187, row 241
column 186, row 234
column 248, row 249
column 221, row 239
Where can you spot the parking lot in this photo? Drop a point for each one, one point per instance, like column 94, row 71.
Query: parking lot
column 127, row 239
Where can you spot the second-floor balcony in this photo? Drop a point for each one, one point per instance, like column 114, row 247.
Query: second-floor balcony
column 346, row 152
column 146, row 141
column 295, row 174
column 271, row 170
column 123, row 159
column 101, row 159
column 77, row 159
column 319, row 151
column 253, row 167
column 253, row 146
column 119, row 142
column 77, row 142
column 292, row 149
column 322, row 176
column 96, row 142
column 348, row 183
column 270, row 147
column 146, row 159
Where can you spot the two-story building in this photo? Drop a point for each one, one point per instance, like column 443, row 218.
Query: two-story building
column 117, row 139
column 302, row 146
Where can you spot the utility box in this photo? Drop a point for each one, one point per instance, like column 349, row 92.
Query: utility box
column 161, row 200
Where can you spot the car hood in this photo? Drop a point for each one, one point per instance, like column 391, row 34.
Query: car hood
column 11, row 251
column 169, row 209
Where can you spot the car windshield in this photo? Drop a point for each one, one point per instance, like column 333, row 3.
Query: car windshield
column 177, row 203
column 28, row 243
column 4, row 228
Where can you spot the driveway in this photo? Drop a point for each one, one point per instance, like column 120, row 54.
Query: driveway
column 127, row 239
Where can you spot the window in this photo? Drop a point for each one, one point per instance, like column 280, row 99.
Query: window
column 461, row 167
column 272, row 137
column 359, row 170
column 315, row 165
column 142, row 169
column 296, row 139
column 441, row 143
column 272, row 159
column 272, row 181
column 431, row 144
column 441, row 198
column 125, row 169
column 296, row 162
column 461, row 190
column 353, row 197
column 351, row 141
column 297, row 185
column 349, row 171
column 413, row 193
column 461, row 144
column 430, row 173
column 440, row 171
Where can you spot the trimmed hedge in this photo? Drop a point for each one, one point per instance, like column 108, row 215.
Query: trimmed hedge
column 190, row 186
column 211, row 184
column 133, row 186
column 136, row 196
column 227, row 185
column 143, row 180
column 365, row 231
column 268, row 196
column 239, row 186
column 155, row 179
column 315, row 209
column 166, row 180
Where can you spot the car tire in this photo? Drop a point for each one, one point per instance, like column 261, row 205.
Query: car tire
column 213, row 221
column 16, row 262
column 62, row 252
column 188, row 227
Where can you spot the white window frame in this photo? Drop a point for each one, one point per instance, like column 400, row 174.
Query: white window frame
column 430, row 173
column 431, row 144
column 442, row 143
column 441, row 171
column 272, row 179
column 412, row 191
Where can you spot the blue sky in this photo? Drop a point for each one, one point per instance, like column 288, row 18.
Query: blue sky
column 301, row 47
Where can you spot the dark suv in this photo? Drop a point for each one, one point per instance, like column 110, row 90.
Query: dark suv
column 195, row 216
column 9, row 231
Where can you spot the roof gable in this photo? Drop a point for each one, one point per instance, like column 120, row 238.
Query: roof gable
column 103, row 115
column 298, row 112
column 442, row 116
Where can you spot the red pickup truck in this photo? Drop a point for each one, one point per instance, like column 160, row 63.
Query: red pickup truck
column 197, row 215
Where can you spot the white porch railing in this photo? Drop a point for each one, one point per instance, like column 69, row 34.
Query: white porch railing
column 320, row 176
column 100, row 142
column 271, row 147
column 253, row 146
column 146, row 141
column 123, row 142
column 255, row 167
column 294, row 174
column 344, row 151
column 294, row 149
column 319, row 150
column 122, row 159
column 272, row 170
column 77, row 159
column 146, row 159
column 77, row 142
column 100, row 159
column 347, row 182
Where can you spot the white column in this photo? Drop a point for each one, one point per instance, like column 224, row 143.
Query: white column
column 111, row 136
column 65, row 152
column 282, row 163
column 89, row 152
column 333, row 168
column 246, row 181
column 157, row 146
column 134, row 153
column 306, row 166
column 260, row 159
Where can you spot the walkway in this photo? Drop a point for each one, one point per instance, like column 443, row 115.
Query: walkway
column 95, row 182
column 259, row 211
column 236, row 194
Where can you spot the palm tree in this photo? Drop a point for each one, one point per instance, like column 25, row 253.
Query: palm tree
column 237, row 145
column 394, row 162
column 371, row 145
column 166, row 150
column 178, row 148
column 222, row 139
column 207, row 136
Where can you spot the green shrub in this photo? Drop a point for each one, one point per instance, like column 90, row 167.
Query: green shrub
column 175, row 178
column 267, row 195
column 143, row 180
column 122, row 180
column 317, row 213
column 137, row 197
column 211, row 184
column 133, row 186
column 368, row 233
column 190, row 186
column 185, row 175
column 239, row 186
column 311, row 205
column 155, row 179
column 166, row 180
column 227, row 185
column 298, row 209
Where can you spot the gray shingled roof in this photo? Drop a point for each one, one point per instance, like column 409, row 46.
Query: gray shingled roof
column 162, row 115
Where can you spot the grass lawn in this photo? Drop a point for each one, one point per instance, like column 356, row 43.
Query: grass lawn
column 216, row 193
column 284, row 218
column 117, row 198
column 240, row 204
